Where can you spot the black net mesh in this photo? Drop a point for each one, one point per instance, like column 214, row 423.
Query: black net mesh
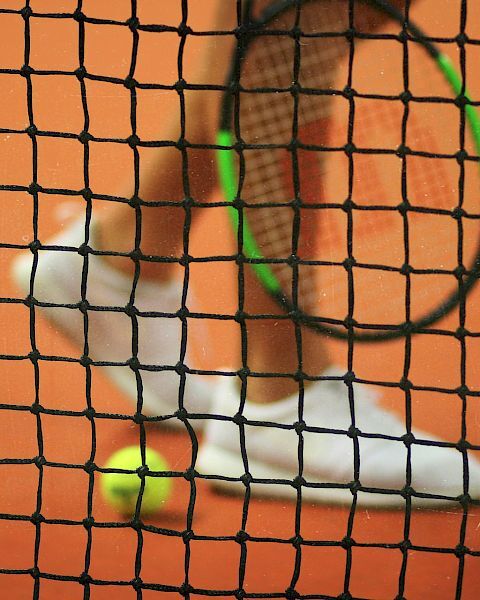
column 85, row 89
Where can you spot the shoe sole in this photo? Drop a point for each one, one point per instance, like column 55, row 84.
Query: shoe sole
column 213, row 461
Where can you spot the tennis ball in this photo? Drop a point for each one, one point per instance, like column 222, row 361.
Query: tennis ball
column 121, row 490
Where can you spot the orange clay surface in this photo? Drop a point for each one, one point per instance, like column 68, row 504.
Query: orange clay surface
column 61, row 493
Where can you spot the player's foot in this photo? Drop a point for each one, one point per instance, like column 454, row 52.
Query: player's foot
column 111, row 332
column 272, row 449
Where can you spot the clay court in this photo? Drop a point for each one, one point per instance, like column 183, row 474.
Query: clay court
column 58, row 538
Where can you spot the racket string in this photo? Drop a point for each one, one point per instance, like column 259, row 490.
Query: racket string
column 381, row 178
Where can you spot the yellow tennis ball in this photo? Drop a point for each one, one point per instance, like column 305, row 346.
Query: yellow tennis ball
column 121, row 490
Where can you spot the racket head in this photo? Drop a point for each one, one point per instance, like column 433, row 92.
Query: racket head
column 350, row 165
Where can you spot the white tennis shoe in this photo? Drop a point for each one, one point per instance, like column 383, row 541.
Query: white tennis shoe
column 110, row 331
column 271, row 447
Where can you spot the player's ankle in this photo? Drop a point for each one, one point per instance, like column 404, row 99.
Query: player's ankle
column 122, row 256
column 269, row 389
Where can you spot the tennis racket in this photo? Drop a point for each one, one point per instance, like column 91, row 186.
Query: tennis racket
column 350, row 168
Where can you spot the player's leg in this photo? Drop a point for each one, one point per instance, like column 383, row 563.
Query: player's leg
column 158, row 230
column 141, row 349
column 277, row 346
column 168, row 174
